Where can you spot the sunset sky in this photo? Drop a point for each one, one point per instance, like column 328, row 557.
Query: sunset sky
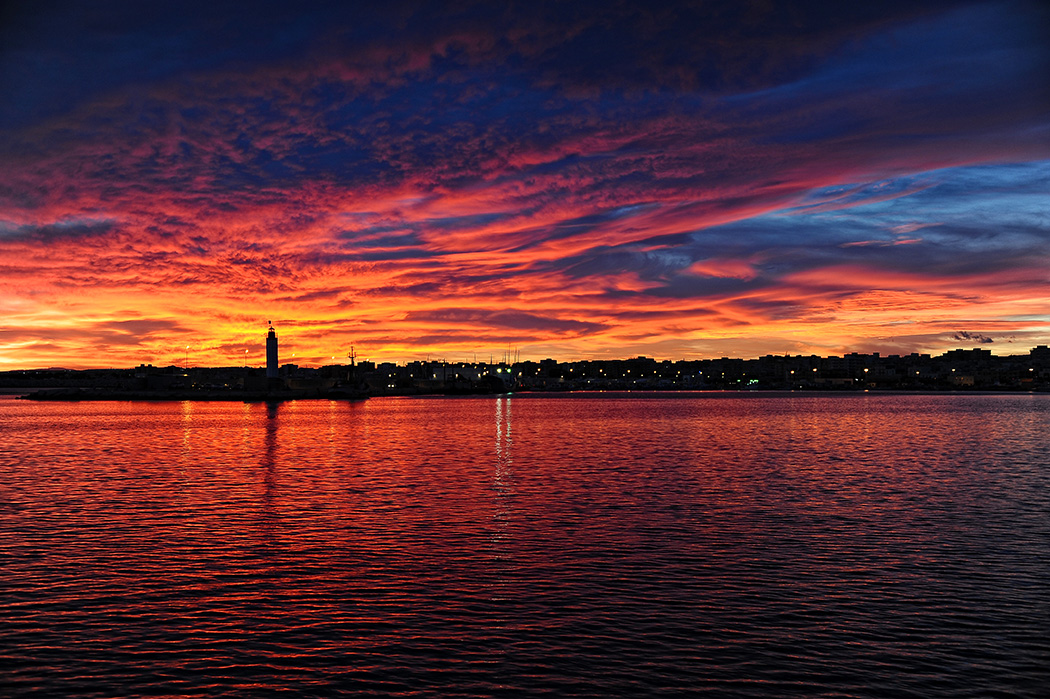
column 568, row 180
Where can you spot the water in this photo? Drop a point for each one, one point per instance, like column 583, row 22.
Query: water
column 737, row 546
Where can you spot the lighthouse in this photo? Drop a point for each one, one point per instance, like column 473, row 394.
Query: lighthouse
column 271, row 353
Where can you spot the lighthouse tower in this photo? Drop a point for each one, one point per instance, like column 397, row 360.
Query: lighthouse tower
column 271, row 353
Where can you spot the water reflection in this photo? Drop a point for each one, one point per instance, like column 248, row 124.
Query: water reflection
column 186, row 424
column 503, row 442
column 500, row 540
column 268, row 462
column 331, row 414
column 525, row 546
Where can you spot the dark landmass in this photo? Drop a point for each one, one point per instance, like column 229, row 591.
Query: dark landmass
column 96, row 394
column 957, row 370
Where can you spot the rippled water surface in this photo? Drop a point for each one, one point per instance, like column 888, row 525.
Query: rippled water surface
column 612, row 545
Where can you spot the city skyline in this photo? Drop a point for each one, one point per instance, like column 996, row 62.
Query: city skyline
column 955, row 370
column 575, row 182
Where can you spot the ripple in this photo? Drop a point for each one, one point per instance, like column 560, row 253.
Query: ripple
column 572, row 546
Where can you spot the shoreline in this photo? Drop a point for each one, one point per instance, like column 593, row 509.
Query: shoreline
column 89, row 394
column 72, row 395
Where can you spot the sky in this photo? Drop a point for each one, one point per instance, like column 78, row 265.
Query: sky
column 585, row 180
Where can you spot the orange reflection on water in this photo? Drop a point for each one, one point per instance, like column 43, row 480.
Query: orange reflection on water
column 250, row 543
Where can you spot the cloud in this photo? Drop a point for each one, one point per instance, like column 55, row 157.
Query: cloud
column 404, row 174
column 963, row 336
column 68, row 341
column 580, row 48
column 882, row 243
column 515, row 320
column 66, row 230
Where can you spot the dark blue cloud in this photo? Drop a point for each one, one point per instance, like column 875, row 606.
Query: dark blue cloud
column 978, row 67
column 868, row 84
column 962, row 222
column 56, row 53
column 68, row 230
column 59, row 53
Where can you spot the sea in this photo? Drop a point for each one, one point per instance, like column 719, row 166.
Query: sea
column 557, row 545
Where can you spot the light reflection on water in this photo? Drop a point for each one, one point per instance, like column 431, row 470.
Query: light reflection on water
column 571, row 545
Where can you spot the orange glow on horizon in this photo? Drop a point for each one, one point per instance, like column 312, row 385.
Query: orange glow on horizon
column 457, row 195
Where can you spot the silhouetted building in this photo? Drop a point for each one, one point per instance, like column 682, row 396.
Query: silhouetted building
column 271, row 354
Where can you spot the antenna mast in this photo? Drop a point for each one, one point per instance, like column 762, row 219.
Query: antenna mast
column 351, row 375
